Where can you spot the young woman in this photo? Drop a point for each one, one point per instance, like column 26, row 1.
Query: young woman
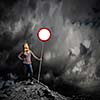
column 25, row 56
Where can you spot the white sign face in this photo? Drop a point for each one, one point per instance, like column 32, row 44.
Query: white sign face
column 44, row 34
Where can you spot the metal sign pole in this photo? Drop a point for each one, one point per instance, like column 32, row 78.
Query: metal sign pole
column 44, row 34
column 42, row 49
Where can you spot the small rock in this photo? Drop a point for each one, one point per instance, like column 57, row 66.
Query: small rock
column 3, row 96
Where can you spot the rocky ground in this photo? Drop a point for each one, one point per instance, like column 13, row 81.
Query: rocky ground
column 25, row 91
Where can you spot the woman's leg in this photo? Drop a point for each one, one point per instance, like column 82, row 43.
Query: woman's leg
column 31, row 71
column 26, row 70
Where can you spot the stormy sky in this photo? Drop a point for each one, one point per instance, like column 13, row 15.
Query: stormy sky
column 72, row 22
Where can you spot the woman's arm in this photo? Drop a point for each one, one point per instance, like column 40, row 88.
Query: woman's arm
column 34, row 55
column 19, row 56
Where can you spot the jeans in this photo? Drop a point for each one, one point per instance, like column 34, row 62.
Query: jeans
column 28, row 70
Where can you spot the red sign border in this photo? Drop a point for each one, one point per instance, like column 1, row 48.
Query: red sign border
column 46, row 29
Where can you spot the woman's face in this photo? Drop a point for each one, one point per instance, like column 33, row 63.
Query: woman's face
column 26, row 48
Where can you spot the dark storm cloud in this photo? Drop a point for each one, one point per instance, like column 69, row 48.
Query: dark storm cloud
column 81, row 9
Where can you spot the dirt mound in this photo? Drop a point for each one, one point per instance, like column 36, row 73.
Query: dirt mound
column 26, row 91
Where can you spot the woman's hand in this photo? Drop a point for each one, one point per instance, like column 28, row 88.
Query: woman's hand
column 40, row 59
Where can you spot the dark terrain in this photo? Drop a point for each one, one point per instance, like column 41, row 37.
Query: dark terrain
column 25, row 91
